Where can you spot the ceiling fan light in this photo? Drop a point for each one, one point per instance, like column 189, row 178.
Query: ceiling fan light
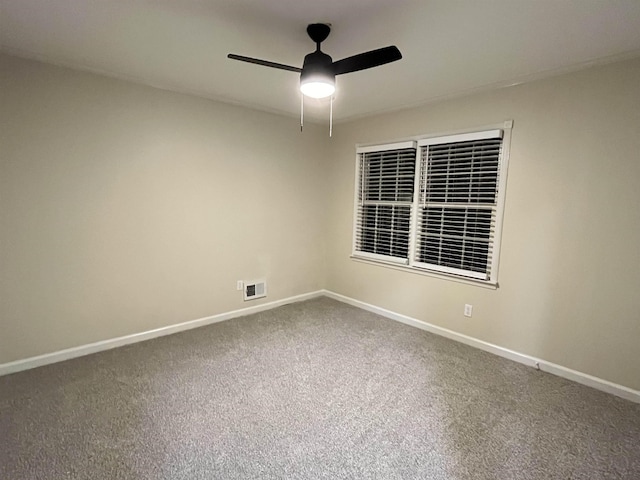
column 318, row 86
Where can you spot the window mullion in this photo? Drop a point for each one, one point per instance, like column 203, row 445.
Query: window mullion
column 376, row 235
column 415, row 209
column 392, row 236
column 463, row 240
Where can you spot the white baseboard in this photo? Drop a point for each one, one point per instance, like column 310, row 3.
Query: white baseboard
column 559, row 370
column 564, row 372
column 69, row 353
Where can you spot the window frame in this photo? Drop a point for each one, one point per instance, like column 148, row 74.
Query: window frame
column 358, row 191
column 410, row 264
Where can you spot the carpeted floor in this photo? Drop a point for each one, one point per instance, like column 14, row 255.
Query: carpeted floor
column 311, row 390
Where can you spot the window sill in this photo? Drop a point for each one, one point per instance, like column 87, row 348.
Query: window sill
column 427, row 273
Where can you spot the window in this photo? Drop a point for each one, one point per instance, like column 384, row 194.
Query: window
column 433, row 204
column 385, row 200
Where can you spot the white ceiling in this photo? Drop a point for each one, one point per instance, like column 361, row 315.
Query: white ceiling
column 450, row 47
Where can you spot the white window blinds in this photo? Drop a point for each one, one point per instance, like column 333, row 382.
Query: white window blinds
column 434, row 205
column 457, row 205
column 384, row 201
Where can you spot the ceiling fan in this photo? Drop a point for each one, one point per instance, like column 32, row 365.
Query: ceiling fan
column 318, row 72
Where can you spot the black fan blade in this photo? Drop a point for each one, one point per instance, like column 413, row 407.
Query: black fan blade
column 365, row 60
column 265, row 63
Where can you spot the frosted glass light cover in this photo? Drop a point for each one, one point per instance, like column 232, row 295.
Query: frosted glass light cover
column 317, row 89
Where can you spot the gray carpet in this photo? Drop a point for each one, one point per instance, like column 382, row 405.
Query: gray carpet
column 311, row 390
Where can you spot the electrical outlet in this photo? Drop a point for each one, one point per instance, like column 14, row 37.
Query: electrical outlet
column 239, row 285
column 468, row 310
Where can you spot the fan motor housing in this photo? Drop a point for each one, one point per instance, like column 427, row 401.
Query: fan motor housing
column 317, row 63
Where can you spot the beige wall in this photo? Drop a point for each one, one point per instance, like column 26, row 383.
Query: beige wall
column 570, row 264
column 125, row 208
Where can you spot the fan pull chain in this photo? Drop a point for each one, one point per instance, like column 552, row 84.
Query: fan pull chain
column 331, row 117
column 301, row 112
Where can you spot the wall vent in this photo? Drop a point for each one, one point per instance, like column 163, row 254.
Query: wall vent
column 256, row 289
